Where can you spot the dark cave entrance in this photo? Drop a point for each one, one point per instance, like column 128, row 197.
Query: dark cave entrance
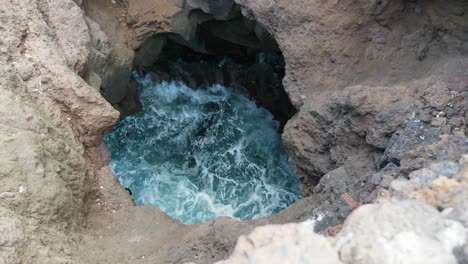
column 236, row 53
column 204, row 144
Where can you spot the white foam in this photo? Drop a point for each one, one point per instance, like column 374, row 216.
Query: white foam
column 201, row 154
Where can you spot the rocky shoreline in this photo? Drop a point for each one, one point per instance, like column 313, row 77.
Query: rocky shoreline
column 378, row 142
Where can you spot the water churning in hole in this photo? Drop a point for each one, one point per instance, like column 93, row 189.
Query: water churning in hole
column 200, row 154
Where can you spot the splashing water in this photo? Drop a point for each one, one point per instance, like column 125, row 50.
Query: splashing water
column 200, row 154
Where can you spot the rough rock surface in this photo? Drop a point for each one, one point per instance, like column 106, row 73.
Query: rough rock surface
column 387, row 232
column 421, row 221
column 111, row 60
column 52, row 160
column 119, row 232
column 50, row 119
column 401, row 232
column 291, row 243
column 432, row 174
column 364, row 75
column 330, row 44
column 378, row 84
column 146, row 18
column 378, row 124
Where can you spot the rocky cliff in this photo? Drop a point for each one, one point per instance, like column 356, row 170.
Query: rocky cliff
column 381, row 92
column 51, row 121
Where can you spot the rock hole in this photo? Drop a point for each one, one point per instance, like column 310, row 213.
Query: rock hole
column 207, row 142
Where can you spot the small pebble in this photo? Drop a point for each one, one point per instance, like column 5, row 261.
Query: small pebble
column 439, row 121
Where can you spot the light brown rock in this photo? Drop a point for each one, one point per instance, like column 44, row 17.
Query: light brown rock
column 292, row 243
column 402, row 232
column 49, row 117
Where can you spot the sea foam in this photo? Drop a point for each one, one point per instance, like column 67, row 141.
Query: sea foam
column 201, row 154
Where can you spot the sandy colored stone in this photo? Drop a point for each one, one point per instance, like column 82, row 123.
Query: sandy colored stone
column 401, row 232
column 292, row 243
column 146, row 18
column 49, row 117
column 355, row 81
column 443, row 193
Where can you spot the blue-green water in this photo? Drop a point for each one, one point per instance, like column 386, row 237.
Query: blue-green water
column 201, row 154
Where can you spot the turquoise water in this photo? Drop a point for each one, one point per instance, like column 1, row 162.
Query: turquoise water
column 201, row 154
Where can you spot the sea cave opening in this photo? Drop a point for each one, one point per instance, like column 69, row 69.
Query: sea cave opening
column 207, row 142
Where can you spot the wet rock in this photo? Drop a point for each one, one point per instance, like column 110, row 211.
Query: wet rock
column 256, row 74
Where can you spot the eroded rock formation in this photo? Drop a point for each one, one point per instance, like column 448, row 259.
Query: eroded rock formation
column 381, row 90
column 389, row 232
column 51, row 120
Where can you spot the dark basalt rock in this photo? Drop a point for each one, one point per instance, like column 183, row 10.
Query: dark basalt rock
column 416, row 133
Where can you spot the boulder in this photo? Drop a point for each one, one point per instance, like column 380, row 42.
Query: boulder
column 401, row 232
column 292, row 243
